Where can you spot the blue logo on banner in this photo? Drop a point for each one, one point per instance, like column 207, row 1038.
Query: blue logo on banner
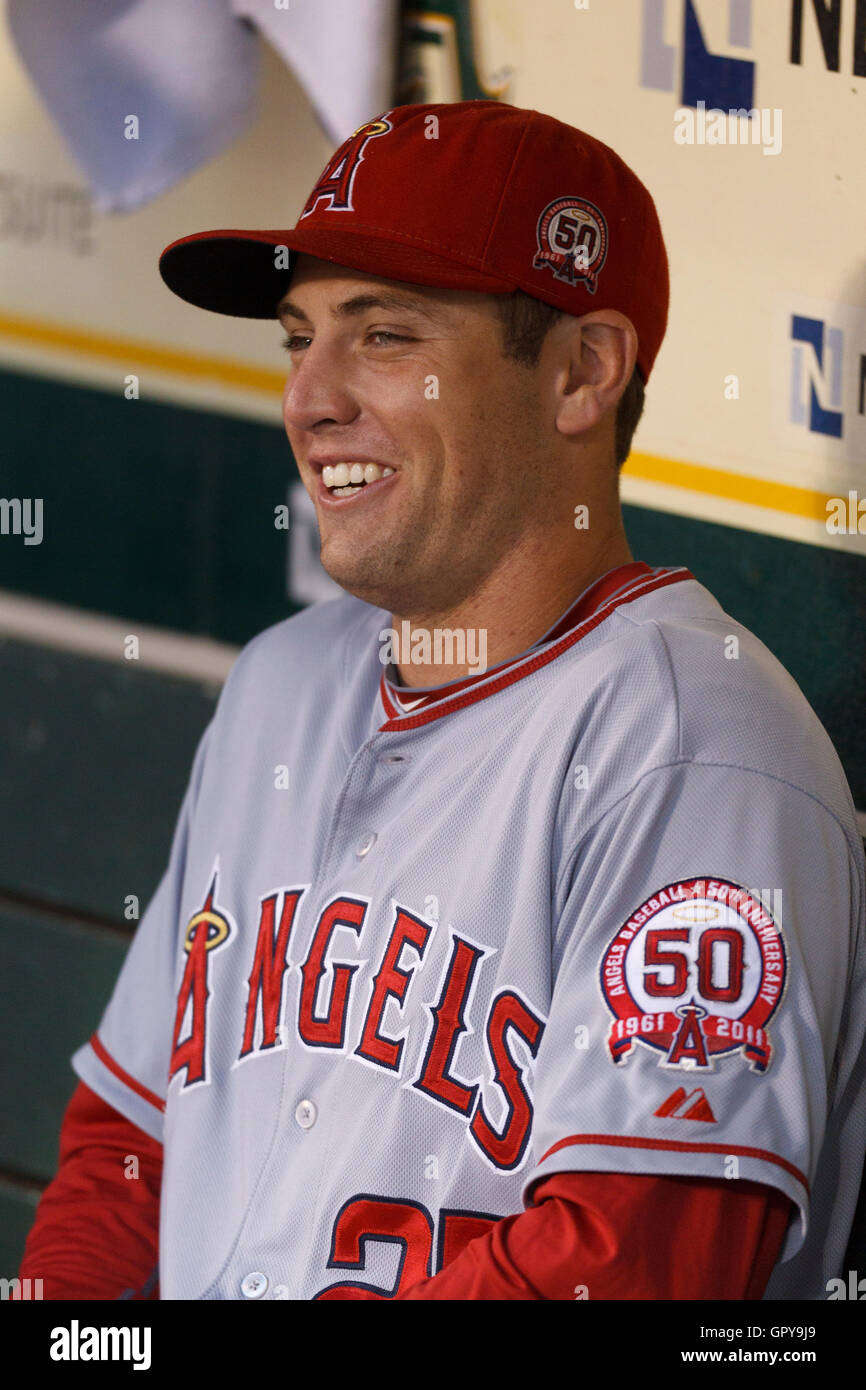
column 824, row 342
column 723, row 84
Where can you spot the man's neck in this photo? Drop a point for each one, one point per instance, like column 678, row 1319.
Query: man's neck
column 495, row 624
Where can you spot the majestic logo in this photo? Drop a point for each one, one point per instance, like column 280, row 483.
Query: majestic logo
column 696, row 973
column 687, row 1105
column 338, row 176
column 572, row 241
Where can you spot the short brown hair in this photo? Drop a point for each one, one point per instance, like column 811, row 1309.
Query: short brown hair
column 525, row 324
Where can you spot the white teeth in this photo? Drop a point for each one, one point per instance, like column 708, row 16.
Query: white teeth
column 345, row 478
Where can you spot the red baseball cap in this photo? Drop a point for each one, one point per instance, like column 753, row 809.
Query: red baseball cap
column 471, row 195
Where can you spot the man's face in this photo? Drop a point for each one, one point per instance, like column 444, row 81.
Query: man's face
column 417, row 384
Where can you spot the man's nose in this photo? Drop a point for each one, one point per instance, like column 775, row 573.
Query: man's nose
column 318, row 390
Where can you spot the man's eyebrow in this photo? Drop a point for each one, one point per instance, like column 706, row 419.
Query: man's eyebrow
column 380, row 299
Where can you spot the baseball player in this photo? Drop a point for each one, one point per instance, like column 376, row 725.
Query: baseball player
column 511, row 944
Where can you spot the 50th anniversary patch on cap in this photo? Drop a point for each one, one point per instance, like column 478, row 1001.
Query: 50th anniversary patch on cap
column 572, row 241
column 696, row 973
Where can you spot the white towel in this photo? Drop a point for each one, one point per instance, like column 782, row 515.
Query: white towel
column 188, row 69
column 343, row 51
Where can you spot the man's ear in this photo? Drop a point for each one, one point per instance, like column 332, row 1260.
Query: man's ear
column 598, row 356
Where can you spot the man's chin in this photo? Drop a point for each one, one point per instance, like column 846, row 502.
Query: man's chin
column 364, row 581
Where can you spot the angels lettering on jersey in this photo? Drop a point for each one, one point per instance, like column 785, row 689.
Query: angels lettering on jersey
column 497, row 1110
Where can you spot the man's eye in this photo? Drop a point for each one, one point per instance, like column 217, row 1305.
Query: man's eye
column 293, row 341
column 395, row 337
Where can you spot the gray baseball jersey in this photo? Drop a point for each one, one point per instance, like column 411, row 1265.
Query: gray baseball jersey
column 601, row 910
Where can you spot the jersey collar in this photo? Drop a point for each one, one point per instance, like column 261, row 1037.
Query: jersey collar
column 407, row 708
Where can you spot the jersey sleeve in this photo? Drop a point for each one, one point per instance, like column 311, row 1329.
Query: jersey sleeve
column 126, row 1061
column 705, row 932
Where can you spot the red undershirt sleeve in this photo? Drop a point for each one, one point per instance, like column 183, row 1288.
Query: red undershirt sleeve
column 623, row 1236
column 96, row 1231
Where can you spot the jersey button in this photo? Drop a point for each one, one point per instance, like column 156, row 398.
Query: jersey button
column 306, row 1114
column 254, row 1285
column 366, row 844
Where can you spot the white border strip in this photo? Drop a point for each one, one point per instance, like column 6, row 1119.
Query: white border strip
column 91, row 634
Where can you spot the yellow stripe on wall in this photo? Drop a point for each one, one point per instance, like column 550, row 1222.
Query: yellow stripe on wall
column 715, row 482
column 194, row 366
column 130, row 354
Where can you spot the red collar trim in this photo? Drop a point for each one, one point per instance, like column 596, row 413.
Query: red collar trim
column 479, row 688
column 616, row 581
column 583, row 607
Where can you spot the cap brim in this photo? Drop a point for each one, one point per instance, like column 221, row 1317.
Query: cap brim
column 236, row 272
column 230, row 272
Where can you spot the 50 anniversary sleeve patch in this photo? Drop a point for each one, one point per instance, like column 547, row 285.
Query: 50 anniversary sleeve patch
column 696, row 973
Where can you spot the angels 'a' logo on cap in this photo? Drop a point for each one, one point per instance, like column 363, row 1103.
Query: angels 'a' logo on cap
column 572, row 241
column 696, row 973
column 336, row 179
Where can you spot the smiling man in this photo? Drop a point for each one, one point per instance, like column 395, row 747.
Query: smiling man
column 545, row 980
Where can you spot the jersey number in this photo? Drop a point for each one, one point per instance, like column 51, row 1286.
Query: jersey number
column 387, row 1220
